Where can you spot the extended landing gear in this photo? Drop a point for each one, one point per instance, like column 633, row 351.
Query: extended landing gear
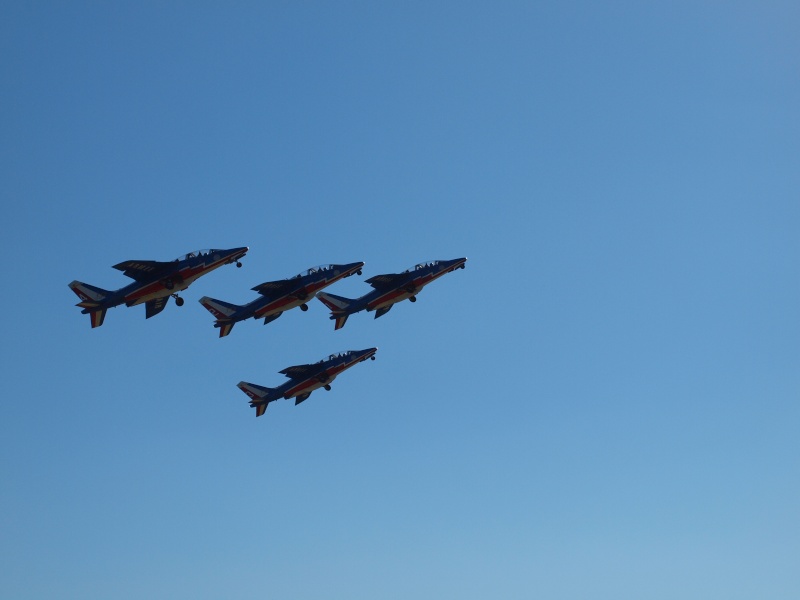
column 358, row 272
column 372, row 357
column 327, row 388
column 238, row 265
column 304, row 307
column 178, row 299
column 412, row 299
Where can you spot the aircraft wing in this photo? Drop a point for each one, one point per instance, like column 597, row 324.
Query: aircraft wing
column 153, row 307
column 300, row 371
column 382, row 311
column 144, row 270
column 381, row 282
column 270, row 288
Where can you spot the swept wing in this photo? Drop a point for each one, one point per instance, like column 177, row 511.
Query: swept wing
column 390, row 280
column 145, row 270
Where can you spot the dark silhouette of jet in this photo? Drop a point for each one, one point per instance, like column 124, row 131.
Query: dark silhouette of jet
column 154, row 282
column 389, row 290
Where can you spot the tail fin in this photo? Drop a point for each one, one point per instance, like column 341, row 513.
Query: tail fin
column 221, row 310
column 91, row 296
column 339, row 305
column 260, row 396
column 218, row 308
column 91, row 301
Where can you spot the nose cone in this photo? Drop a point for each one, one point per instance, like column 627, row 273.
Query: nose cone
column 368, row 353
column 351, row 268
column 457, row 262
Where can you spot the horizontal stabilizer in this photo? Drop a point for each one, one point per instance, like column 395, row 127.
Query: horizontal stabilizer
column 340, row 321
column 225, row 327
column 301, row 398
column 91, row 301
column 97, row 316
column 261, row 408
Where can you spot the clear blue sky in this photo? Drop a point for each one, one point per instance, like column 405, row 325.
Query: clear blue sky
column 605, row 404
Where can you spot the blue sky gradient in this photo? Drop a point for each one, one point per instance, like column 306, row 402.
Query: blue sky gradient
column 604, row 404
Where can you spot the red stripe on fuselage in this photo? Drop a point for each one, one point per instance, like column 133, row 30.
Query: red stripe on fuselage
column 182, row 279
column 400, row 294
column 314, row 383
column 288, row 301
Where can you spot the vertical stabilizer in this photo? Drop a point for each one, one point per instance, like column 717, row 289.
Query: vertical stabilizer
column 340, row 307
column 259, row 395
column 91, row 301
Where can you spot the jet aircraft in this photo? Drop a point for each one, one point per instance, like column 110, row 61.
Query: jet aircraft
column 278, row 296
column 304, row 379
column 154, row 282
column 389, row 289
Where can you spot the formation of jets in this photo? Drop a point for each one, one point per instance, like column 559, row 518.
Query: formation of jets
column 154, row 282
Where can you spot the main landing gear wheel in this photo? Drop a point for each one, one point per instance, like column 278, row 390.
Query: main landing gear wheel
column 327, row 388
column 412, row 299
column 304, row 307
column 178, row 299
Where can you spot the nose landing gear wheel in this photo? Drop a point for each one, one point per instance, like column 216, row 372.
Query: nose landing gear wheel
column 178, row 299
column 327, row 388
column 304, row 307
column 412, row 299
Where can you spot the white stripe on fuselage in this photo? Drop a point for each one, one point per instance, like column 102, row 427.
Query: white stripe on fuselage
column 178, row 286
column 312, row 383
column 282, row 305
column 389, row 298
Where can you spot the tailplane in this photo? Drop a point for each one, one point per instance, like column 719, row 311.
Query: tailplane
column 222, row 311
column 340, row 307
column 259, row 395
column 91, row 301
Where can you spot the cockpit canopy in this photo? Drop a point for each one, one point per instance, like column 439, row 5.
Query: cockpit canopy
column 313, row 270
column 344, row 354
column 197, row 253
column 430, row 263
